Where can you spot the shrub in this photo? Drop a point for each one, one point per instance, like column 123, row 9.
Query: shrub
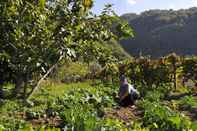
column 159, row 117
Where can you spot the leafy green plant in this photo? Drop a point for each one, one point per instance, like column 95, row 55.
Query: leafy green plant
column 2, row 128
column 154, row 96
column 189, row 100
column 30, row 114
column 161, row 117
column 83, row 109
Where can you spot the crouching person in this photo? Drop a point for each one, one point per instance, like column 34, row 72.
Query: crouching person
column 127, row 93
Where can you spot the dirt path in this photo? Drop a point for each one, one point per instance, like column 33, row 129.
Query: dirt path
column 126, row 114
column 38, row 122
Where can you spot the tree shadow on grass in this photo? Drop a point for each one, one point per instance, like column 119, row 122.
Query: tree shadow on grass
column 179, row 96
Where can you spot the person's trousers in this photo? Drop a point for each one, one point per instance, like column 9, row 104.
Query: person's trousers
column 129, row 100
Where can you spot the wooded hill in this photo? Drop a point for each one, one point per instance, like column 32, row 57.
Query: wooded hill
column 160, row 32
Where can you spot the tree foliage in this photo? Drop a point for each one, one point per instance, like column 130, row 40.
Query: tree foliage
column 36, row 35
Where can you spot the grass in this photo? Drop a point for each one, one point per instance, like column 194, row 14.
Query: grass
column 57, row 89
column 71, row 69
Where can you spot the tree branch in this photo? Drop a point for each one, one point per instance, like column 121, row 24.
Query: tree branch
column 44, row 76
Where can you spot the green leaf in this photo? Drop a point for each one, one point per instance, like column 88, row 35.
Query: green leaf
column 42, row 3
column 2, row 128
column 176, row 120
column 194, row 126
column 155, row 125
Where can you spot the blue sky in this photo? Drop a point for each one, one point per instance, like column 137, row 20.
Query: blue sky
column 137, row 6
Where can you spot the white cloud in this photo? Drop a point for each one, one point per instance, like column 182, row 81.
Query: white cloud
column 131, row 2
column 194, row 2
column 172, row 6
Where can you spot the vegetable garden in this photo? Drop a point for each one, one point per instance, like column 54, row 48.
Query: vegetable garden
column 84, row 106
column 57, row 73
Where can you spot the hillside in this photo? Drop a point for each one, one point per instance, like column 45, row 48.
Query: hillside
column 160, row 32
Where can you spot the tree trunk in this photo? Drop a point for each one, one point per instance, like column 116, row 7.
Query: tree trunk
column 174, row 76
column 1, row 92
column 18, row 86
column 27, row 77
